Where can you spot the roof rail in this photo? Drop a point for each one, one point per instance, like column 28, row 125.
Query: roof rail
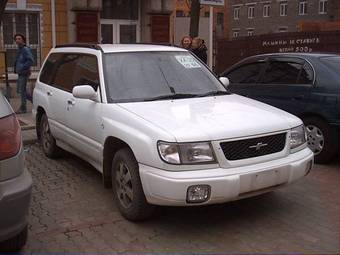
column 80, row 45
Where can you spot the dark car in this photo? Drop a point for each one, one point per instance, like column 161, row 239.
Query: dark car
column 306, row 85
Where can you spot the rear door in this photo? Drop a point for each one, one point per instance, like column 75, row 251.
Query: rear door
column 55, row 86
column 83, row 116
column 244, row 77
column 286, row 83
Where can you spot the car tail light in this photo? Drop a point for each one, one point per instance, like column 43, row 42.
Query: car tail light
column 10, row 137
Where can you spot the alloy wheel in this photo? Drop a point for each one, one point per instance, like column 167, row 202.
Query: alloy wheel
column 315, row 139
column 124, row 185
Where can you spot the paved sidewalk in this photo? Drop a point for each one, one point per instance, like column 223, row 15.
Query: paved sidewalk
column 26, row 121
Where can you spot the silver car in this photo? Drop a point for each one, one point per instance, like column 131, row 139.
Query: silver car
column 15, row 182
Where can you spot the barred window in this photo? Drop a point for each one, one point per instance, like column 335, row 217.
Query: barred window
column 26, row 23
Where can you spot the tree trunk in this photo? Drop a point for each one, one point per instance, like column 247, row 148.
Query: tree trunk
column 194, row 17
column 2, row 9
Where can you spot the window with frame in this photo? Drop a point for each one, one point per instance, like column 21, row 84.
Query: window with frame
column 250, row 32
column 303, row 8
column 251, row 12
column 26, row 23
column 323, row 7
column 283, row 9
column 283, row 29
column 266, row 10
column 219, row 24
column 236, row 33
column 236, row 13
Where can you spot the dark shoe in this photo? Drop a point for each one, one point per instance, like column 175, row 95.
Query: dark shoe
column 20, row 111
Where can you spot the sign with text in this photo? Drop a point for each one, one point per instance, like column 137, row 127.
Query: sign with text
column 212, row 2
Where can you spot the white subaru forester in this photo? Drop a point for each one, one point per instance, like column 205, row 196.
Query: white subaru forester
column 162, row 129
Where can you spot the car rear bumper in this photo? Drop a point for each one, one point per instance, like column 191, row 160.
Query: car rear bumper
column 170, row 188
column 15, row 196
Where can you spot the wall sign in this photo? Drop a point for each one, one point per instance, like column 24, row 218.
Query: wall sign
column 212, row 2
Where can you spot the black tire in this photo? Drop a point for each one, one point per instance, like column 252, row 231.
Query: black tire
column 321, row 139
column 127, row 187
column 47, row 140
column 15, row 243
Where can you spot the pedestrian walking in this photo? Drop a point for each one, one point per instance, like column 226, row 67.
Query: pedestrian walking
column 22, row 66
column 186, row 42
column 199, row 49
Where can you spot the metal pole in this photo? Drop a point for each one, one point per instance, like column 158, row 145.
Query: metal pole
column 211, row 28
column 53, row 23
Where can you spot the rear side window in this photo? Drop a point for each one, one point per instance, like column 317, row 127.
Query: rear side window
column 306, row 75
column 65, row 71
column 280, row 72
column 48, row 71
column 247, row 73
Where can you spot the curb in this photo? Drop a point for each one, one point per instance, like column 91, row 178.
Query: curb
column 29, row 141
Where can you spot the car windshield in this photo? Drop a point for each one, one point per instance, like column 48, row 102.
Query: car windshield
column 147, row 76
column 332, row 62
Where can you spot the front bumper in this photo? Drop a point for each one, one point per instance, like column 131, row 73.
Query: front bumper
column 15, row 196
column 170, row 188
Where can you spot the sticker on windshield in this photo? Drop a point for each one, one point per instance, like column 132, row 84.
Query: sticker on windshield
column 188, row 61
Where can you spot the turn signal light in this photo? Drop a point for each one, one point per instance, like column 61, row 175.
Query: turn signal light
column 10, row 137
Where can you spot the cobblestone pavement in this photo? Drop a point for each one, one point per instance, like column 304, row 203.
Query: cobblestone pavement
column 71, row 212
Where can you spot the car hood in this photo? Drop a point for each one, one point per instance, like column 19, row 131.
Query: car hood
column 213, row 118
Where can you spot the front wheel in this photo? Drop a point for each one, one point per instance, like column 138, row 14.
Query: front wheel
column 320, row 139
column 127, row 187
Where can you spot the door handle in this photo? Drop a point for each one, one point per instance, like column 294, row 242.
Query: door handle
column 49, row 93
column 71, row 102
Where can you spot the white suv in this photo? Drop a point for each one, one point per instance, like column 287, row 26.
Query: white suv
column 162, row 129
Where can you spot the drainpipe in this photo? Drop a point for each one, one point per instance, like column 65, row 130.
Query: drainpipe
column 54, row 41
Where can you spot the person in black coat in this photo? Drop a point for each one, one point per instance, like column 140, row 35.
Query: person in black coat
column 199, row 49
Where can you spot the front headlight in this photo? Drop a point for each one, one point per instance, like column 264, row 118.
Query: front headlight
column 297, row 137
column 186, row 153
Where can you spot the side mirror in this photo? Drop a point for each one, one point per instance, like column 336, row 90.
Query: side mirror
column 84, row 92
column 225, row 81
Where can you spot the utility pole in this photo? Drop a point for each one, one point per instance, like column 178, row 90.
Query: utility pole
column 194, row 17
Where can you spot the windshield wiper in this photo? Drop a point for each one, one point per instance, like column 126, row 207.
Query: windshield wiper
column 214, row 93
column 171, row 96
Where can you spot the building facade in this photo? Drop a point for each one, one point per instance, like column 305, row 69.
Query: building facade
column 221, row 16
column 47, row 23
column 256, row 17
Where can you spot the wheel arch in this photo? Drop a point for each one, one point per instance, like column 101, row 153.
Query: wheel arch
column 111, row 146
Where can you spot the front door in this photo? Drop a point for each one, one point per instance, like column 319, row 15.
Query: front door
column 119, row 31
column 286, row 84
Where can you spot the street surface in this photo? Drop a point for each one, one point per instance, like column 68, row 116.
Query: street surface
column 71, row 212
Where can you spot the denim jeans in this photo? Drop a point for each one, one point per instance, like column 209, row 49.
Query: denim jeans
column 21, row 89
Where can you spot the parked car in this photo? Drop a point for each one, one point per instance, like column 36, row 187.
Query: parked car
column 162, row 129
column 306, row 85
column 15, row 182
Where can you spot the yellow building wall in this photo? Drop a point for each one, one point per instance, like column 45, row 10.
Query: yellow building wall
column 46, row 24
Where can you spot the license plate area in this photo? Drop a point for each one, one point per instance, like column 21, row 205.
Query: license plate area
column 265, row 179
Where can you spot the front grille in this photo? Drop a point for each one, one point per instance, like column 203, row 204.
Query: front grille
column 254, row 147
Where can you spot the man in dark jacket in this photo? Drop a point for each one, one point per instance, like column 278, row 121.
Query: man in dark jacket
column 199, row 49
column 23, row 62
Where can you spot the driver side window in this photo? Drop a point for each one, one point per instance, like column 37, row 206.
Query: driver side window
column 247, row 73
